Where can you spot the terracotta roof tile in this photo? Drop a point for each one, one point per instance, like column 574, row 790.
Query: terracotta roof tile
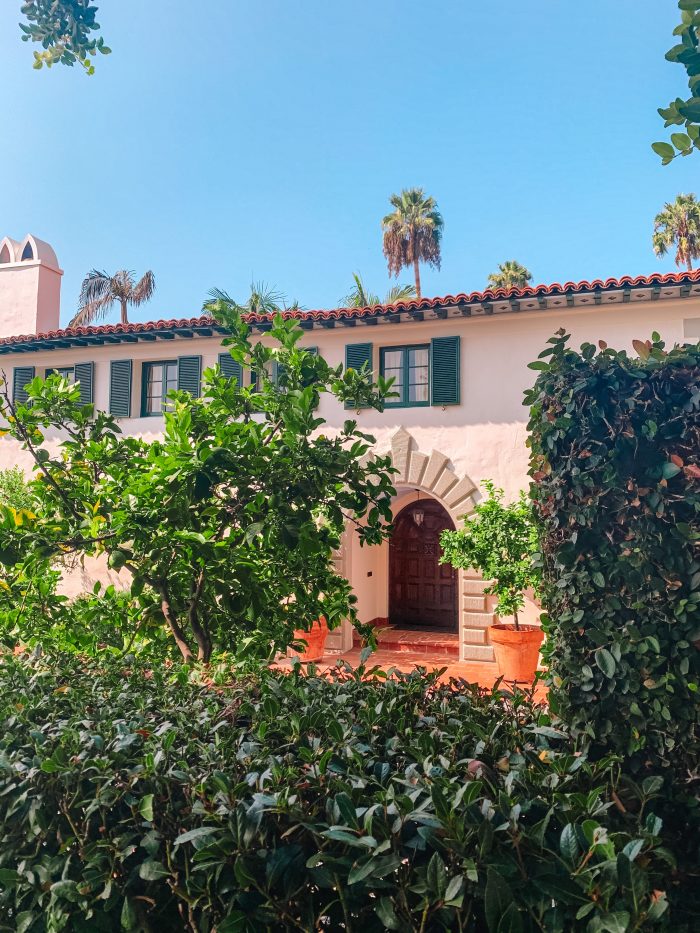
column 347, row 314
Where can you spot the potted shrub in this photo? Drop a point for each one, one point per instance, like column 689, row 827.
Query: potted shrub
column 500, row 541
column 315, row 640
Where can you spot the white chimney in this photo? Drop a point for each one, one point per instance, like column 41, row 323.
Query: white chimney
column 30, row 287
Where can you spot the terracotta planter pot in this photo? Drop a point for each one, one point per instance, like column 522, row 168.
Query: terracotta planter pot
column 517, row 652
column 315, row 641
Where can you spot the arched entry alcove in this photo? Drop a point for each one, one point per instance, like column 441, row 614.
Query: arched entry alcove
column 422, row 591
column 421, row 475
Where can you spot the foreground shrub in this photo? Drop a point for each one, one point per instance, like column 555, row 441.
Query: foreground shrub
column 616, row 471
column 139, row 800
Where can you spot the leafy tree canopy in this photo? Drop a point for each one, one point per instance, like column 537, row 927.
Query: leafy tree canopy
column 66, row 31
column 684, row 111
column 226, row 527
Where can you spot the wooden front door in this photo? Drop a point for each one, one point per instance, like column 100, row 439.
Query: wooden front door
column 422, row 591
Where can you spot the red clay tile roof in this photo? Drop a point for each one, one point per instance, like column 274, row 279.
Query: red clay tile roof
column 203, row 323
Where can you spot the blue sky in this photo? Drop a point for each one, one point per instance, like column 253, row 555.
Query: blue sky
column 262, row 140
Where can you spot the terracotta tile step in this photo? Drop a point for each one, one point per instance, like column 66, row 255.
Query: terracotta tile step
column 404, row 641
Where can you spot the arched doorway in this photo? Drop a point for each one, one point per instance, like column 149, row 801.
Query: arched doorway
column 422, row 591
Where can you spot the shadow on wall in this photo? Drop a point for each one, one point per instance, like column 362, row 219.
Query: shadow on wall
column 80, row 577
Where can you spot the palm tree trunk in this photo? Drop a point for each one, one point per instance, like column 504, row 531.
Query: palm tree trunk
column 689, row 264
column 125, row 319
column 416, row 272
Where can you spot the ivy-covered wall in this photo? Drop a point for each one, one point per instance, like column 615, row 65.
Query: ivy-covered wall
column 615, row 468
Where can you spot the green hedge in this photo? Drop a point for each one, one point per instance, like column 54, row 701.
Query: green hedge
column 616, row 469
column 137, row 799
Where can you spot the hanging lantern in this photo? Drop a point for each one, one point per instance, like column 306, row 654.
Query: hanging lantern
column 418, row 514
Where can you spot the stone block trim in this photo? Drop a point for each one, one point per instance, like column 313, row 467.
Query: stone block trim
column 435, row 466
column 401, row 444
column 473, row 636
column 417, row 468
column 477, row 619
column 478, row 652
column 473, row 586
column 432, row 473
column 474, row 603
column 458, row 493
column 445, row 482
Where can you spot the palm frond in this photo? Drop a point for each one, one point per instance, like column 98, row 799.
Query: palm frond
column 144, row 289
column 95, row 285
column 96, row 298
column 400, row 293
column 510, row 274
column 293, row 306
column 264, row 298
column 92, row 311
column 358, row 296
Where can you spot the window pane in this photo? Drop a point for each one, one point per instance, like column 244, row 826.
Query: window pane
column 397, row 376
column 393, row 359
column 154, row 384
column 418, row 356
column 418, row 392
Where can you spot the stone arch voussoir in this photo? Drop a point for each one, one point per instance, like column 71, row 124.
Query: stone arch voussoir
column 434, row 474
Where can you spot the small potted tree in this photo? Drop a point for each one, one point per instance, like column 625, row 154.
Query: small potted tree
column 500, row 541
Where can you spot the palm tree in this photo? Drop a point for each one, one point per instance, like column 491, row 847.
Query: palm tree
column 359, row 297
column 678, row 224
column 412, row 233
column 100, row 291
column 511, row 274
column 263, row 299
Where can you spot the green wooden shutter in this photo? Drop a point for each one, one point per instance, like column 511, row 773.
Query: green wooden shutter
column 444, row 371
column 357, row 355
column 84, row 375
column 120, row 388
column 189, row 370
column 231, row 368
column 20, row 377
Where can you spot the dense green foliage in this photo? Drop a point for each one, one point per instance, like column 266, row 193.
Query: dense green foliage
column 14, row 490
column 224, row 530
column 684, row 112
column 616, row 483
column 64, row 28
column 500, row 541
column 139, row 799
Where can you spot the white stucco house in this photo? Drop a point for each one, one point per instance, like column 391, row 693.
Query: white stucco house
column 460, row 364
